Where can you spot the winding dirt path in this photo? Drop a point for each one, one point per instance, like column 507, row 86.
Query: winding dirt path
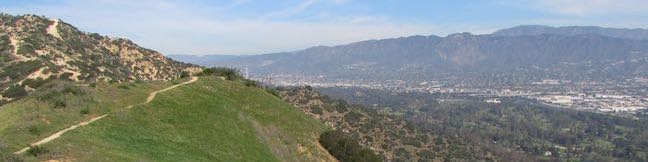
column 152, row 95
column 58, row 134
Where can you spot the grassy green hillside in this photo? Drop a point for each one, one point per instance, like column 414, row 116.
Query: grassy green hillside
column 208, row 120
column 60, row 104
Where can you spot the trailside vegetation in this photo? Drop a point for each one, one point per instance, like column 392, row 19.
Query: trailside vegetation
column 346, row 148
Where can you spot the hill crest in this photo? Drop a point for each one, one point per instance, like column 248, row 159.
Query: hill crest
column 35, row 49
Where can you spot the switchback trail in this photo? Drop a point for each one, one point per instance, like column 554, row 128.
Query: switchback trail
column 58, row 134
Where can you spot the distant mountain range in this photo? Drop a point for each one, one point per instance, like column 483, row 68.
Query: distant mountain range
column 523, row 53
column 636, row 34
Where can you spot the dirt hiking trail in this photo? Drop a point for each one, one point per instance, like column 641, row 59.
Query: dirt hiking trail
column 58, row 134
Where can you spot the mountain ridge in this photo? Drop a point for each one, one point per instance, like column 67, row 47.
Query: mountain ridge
column 628, row 33
column 456, row 53
column 36, row 49
column 581, row 57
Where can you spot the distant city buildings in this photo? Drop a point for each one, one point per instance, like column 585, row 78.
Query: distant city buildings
column 493, row 101
column 605, row 97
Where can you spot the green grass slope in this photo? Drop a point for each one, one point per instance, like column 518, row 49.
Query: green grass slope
column 208, row 120
column 59, row 105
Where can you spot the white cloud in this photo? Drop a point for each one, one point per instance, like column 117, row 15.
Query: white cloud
column 292, row 10
column 300, row 8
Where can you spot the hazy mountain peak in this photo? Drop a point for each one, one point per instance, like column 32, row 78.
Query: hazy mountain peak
column 460, row 35
column 636, row 34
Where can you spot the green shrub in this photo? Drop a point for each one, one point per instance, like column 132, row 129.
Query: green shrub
column 71, row 89
column 345, row 148
column 329, row 108
column 58, row 102
column 228, row 73
column 50, row 96
column 4, row 42
column 37, row 150
column 208, row 71
column 96, row 36
column 56, row 98
column 33, row 42
column 15, row 92
column 341, row 106
column 16, row 71
column 123, row 86
column 252, row 83
column 353, row 117
column 93, row 85
column 66, row 76
column 273, row 92
column 184, row 74
column 4, row 58
column 34, row 83
column 317, row 110
column 34, row 130
column 55, row 93
column 26, row 49
column 85, row 111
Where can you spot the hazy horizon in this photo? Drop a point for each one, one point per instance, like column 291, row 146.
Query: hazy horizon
column 247, row 27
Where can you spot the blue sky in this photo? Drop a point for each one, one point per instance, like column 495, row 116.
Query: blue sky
column 264, row 26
